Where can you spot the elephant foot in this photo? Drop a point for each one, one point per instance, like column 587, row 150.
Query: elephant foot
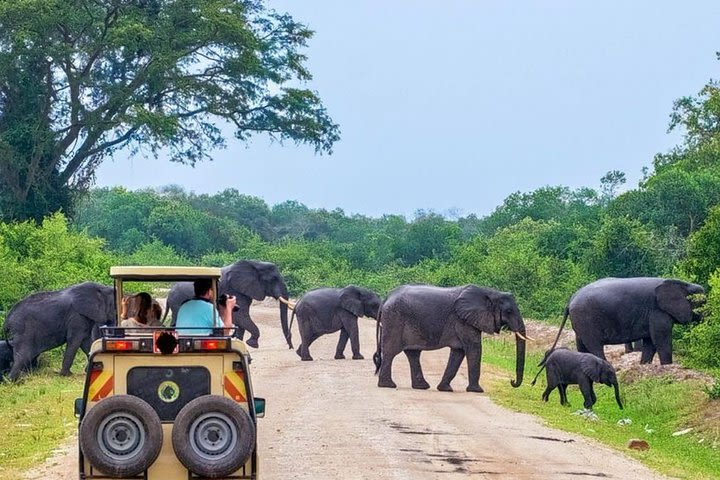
column 298, row 352
column 474, row 388
column 444, row 387
column 421, row 385
column 386, row 384
column 358, row 357
column 306, row 359
column 64, row 373
column 339, row 356
column 252, row 342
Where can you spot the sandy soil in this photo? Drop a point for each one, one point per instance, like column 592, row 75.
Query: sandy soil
column 327, row 419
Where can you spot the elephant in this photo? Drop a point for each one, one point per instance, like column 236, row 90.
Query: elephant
column 565, row 367
column 622, row 310
column 247, row 280
column 46, row 320
column 422, row 317
column 327, row 310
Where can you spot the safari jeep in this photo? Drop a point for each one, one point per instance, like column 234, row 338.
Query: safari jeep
column 159, row 405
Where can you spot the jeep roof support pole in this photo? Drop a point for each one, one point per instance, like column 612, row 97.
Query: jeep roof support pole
column 118, row 300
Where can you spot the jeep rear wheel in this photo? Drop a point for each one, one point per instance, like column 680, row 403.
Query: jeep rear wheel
column 121, row 436
column 213, row 436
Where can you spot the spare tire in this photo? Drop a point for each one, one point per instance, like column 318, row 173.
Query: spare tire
column 121, row 436
column 213, row 436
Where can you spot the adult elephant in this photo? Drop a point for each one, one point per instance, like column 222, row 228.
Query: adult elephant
column 327, row 310
column 622, row 310
column 247, row 280
column 420, row 317
column 46, row 320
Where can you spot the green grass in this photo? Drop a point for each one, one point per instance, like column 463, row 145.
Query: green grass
column 660, row 404
column 37, row 414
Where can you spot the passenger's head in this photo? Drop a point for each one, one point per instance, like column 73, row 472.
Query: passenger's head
column 202, row 286
column 145, row 303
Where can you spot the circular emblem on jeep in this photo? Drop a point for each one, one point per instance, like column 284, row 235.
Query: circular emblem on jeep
column 168, row 391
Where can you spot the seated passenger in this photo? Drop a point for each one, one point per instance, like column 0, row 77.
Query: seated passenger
column 144, row 308
column 199, row 312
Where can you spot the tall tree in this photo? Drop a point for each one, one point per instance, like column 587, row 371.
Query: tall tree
column 80, row 79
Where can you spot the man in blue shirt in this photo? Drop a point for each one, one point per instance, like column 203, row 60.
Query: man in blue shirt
column 199, row 312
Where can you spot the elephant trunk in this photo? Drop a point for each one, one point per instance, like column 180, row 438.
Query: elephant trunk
column 284, row 317
column 519, row 360
column 617, row 394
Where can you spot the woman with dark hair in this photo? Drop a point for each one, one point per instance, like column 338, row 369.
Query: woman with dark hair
column 143, row 303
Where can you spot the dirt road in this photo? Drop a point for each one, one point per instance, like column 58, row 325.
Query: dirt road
column 327, row 419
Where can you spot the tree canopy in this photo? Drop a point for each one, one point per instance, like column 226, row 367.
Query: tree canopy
column 81, row 79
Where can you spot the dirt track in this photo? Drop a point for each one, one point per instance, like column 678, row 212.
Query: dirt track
column 327, row 419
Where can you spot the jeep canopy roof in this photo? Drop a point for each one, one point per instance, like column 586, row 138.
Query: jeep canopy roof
column 171, row 274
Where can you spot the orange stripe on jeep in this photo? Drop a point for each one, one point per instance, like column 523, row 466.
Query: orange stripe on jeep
column 234, row 383
column 101, row 386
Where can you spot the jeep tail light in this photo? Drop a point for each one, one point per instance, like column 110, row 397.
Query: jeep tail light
column 120, row 345
column 211, row 344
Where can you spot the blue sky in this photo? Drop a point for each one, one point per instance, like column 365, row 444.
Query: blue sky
column 455, row 105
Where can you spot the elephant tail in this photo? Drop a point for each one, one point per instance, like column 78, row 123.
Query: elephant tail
column 542, row 363
column 377, row 356
column 289, row 332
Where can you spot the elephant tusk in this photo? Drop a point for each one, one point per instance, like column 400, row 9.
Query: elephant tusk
column 526, row 338
column 291, row 305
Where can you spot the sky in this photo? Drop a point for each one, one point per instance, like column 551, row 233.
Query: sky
column 452, row 106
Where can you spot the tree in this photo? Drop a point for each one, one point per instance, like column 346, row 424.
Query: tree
column 81, row 79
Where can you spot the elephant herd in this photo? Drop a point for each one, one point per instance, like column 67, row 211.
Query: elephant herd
column 412, row 318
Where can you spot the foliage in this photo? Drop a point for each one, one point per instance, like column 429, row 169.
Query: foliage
column 703, row 249
column 47, row 256
column 701, row 343
column 625, row 248
column 80, row 80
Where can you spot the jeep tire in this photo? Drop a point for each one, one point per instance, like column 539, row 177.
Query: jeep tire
column 121, row 436
column 213, row 436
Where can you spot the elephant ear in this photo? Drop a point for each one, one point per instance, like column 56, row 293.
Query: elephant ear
column 243, row 278
column 474, row 307
column 671, row 296
column 92, row 302
column 591, row 366
column 350, row 300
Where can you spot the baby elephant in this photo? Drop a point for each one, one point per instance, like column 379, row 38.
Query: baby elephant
column 565, row 367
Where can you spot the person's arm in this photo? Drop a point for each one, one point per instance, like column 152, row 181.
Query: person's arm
column 124, row 308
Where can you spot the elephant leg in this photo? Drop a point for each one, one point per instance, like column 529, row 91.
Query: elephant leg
column 22, row 362
column 73, row 344
column 588, row 393
column 661, row 336
column 304, row 349
column 244, row 323
column 342, row 343
column 350, row 325
column 562, row 389
column 454, row 361
column 648, row 351
column 385, row 373
column 416, row 374
column 587, row 345
column 474, row 356
column 629, row 347
column 546, row 393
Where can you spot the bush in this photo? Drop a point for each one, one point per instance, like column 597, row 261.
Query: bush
column 48, row 256
column 702, row 341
